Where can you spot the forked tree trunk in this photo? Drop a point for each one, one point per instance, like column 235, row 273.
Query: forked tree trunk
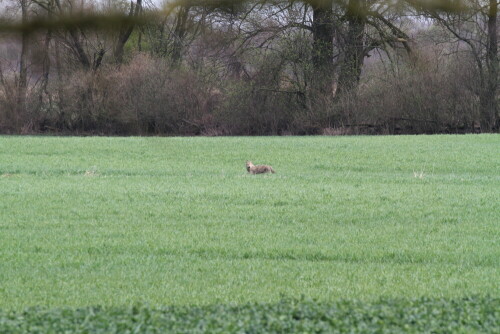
column 126, row 31
column 78, row 48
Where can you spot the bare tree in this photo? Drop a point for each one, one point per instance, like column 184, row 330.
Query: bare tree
column 23, row 66
column 476, row 30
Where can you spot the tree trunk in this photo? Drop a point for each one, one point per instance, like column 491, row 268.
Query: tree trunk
column 322, row 29
column 353, row 53
column 61, row 119
column 46, row 71
column 322, row 49
column 23, row 69
column 488, row 103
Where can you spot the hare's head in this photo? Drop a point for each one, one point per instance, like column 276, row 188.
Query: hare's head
column 249, row 164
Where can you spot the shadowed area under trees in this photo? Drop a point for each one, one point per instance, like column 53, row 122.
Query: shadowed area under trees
column 261, row 67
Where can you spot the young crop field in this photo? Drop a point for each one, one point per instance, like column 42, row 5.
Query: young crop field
column 178, row 222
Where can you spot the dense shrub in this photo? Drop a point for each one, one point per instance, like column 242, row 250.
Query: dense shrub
column 252, row 109
column 262, row 103
column 421, row 98
column 147, row 96
column 425, row 97
column 463, row 315
column 14, row 119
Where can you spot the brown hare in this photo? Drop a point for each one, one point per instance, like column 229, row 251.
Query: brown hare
column 259, row 169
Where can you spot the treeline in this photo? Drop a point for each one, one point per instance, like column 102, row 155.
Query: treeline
column 280, row 67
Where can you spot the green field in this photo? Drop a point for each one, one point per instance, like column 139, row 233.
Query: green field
column 178, row 221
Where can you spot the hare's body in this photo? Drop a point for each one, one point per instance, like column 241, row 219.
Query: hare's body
column 259, row 169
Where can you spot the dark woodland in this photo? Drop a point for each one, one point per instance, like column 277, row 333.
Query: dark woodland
column 222, row 67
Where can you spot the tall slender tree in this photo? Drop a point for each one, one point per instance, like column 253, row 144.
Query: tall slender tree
column 23, row 66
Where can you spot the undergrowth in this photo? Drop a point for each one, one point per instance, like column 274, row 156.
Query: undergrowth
column 424, row 315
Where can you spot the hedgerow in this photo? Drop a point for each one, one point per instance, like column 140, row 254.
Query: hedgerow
column 424, row 315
